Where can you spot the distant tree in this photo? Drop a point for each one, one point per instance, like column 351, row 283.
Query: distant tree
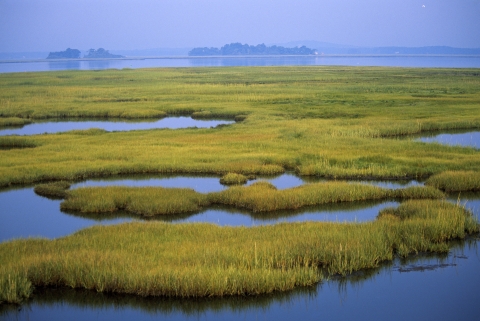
column 67, row 54
column 239, row 49
column 100, row 53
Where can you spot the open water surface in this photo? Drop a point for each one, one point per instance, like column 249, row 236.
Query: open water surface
column 421, row 287
column 25, row 214
column 50, row 127
column 171, row 62
column 462, row 139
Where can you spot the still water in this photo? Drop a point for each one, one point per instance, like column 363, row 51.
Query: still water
column 421, row 287
column 340, row 60
column 462, row 139
column 41, row 127
column 25, row 214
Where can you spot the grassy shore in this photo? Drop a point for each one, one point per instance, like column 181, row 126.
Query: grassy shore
column 258, row 197
column 455, row 181
column 338, row 122
column 161, row 259
column 13, row 122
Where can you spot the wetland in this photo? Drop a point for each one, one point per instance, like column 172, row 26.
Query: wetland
column 330, row 189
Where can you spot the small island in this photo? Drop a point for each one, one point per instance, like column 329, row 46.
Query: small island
column 237, row 49
column 67, row 54
column 101, row 53
column 75, row 54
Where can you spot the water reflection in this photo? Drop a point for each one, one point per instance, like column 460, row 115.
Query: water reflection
column 41, row 127
column 339, row 60
column 25, row 214
column 421, row 287
column 463, row 139
column 207, row 183
column 64, row 65
column 468, row 200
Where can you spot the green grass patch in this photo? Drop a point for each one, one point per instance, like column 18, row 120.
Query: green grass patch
column 258, row 197
column 161, row 259
column 14, row 142
column 233, row 179
column 13, row 122
column 54, row 190
column 456, row 181
column 322, row 121
column 145, row 201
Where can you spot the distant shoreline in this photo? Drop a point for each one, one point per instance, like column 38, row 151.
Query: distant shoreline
column 234, row 57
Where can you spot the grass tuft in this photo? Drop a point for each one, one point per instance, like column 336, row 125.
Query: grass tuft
column 55, row 190
column 233, row 179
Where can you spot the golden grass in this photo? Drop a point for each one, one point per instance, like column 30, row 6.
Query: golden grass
column 233, row 179
column 258, row 197
column 201, row 260
column 323, row 121
column 145, row 201
column 455, row 181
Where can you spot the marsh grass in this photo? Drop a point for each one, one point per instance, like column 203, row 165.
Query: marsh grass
column 13, row 142
column 14, row 288
column 161, row 259
column 144, row 201
column 264, row 197
column 322, row 121
column 13, row 121
column 455, row 181
column 258, row 197
column 54, row 190
column 233, row 179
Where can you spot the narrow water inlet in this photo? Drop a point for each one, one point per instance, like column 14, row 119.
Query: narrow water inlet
column 462, row 139
column 57, row 126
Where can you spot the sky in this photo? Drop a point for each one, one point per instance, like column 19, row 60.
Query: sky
column 54, row 25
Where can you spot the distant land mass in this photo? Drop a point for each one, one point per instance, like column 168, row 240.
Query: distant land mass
column 101, row 53
column 337, row 49
column 322, row 48
column 75, row 54
column 238, row 49
column 67, row 54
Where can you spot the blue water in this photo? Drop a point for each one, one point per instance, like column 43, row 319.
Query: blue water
column 423, row 287
column 40, row 127
column 390, row 61
column 469, row 139
column 25, row 214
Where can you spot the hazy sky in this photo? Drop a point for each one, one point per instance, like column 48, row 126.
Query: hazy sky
column 52, row 25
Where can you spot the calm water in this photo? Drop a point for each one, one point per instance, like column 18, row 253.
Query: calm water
column 41, row 127
column 422, row 287
column 391, row 61
column 465, row 139
column 433, row 287
column 24, row 214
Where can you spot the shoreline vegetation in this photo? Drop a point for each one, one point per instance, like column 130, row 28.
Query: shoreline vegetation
column 258, row 197
column 334, row 122
column 161, row 259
